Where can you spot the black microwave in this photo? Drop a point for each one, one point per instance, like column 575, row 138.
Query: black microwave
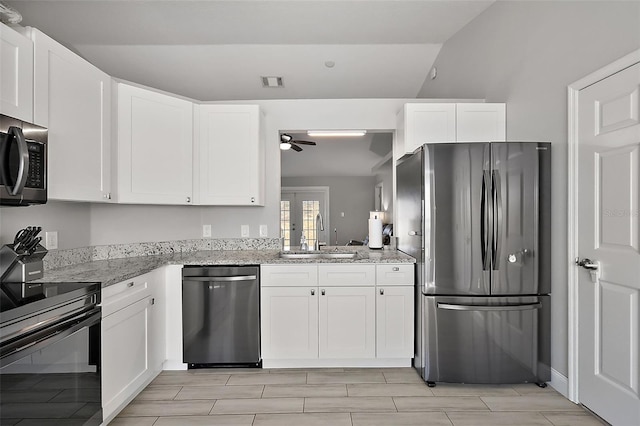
column 23, row 163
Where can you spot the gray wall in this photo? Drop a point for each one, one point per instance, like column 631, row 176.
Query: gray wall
column 353, row 195
column 71, row 220
column 526, row 54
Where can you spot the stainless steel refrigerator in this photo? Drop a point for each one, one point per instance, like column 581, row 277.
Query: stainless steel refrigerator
column 476, row 216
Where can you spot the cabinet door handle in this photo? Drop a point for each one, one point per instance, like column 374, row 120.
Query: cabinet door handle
column 253, row 199
column 130, row 284
column 322, row 292
column 395, row 269
column 313, row 292
column 188, row 199
column 153, row 300
column 382, row 292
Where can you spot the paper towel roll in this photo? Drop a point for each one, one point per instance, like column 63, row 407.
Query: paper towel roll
column 375, row 233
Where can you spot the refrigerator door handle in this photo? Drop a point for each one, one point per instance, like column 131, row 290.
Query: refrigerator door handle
column 524, row 307
column 496, row 245
column 483, row 223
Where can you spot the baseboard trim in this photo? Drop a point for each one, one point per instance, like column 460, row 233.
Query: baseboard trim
column 560, row 383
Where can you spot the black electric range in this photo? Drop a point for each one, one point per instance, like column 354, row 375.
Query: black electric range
column 50, row 346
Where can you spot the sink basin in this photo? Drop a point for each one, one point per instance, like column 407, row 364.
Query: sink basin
column 318, row 255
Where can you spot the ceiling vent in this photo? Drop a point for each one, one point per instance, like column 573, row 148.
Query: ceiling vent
column 272, row 82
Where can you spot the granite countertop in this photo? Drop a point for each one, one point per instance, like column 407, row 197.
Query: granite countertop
column 112, row 271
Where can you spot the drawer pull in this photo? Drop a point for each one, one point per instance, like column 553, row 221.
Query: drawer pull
column 382, row 292
column 322, row 292
column 130, row 284
column 313, row 292
column 395, row 269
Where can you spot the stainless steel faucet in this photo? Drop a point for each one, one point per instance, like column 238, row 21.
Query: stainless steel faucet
column 319, row 227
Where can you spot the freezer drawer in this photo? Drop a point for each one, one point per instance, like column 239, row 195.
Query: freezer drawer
column 486, row 339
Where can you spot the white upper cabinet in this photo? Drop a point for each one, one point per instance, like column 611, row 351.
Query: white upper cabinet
column 420, row 123
column 423, row 123
column 231, row 156
column 481, row 122
column 154, row 149
column 16, row 74
column 72, row 98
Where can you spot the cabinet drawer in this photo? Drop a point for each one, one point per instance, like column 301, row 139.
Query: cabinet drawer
column 123, row 294
column 288, row 275
column 346, row 274
column 395, row 274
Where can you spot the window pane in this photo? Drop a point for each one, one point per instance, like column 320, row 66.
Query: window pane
column 310, row 210
column 285, row 223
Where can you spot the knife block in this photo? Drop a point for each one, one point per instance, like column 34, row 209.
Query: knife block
column 19, row 268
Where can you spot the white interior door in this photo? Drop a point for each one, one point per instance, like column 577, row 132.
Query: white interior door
column 298, row 211
column 608, row 234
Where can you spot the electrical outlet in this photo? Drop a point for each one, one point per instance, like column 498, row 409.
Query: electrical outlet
column 206, row 231
column 244, row 231
column 51, row 240
column 263, row 230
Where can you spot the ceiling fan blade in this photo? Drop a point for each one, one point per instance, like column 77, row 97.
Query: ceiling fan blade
column 295, row 147
column 304, row 142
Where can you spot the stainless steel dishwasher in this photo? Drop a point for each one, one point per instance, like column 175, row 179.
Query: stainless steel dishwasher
column 221, row 316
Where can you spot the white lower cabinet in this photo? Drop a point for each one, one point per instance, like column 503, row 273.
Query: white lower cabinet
column 347, row 322
column 337, row 315
column 133, row 343
column 125, row 353
column 394, row 321
column 289, row 323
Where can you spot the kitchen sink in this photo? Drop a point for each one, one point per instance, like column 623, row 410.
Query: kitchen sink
column 318, row 255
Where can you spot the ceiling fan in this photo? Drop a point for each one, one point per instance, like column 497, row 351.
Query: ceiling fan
column 287, row 141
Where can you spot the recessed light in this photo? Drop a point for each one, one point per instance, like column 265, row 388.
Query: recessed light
column 336, row 133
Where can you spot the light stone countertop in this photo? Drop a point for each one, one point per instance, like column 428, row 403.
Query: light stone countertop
column 112, row 271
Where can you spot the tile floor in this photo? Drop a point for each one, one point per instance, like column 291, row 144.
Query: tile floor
column 340, row 397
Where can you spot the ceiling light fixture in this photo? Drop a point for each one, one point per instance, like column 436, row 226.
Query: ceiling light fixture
column 336, row 133
column 285, row 146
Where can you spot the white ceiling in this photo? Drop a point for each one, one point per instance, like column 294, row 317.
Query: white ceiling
column 336, row 156
column 217, row 50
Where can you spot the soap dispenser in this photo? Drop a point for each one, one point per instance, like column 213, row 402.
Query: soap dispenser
column 303, row 243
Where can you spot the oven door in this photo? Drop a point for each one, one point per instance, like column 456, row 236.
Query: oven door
column 54, row 375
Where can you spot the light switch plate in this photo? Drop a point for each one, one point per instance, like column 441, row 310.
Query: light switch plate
column 51, row 240
column 206, row 231
column 244, row 231
column 263, row 230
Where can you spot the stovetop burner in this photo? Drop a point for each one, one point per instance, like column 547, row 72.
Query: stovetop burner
column 19, row 300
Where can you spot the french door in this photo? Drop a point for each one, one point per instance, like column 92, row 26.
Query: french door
column 299, row 208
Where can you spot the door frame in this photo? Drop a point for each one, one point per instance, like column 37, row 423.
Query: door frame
column 572, row 209
column 326, row 216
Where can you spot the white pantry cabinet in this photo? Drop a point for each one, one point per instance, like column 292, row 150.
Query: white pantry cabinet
column 231, row 155
column 72, row 98
column 16, row 74
column 154, row 148
column 133, row 327
column 420, row 123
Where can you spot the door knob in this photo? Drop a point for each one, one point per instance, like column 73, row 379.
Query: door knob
column 587, row 264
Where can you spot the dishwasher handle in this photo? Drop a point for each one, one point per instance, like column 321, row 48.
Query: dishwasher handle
column 233, row 278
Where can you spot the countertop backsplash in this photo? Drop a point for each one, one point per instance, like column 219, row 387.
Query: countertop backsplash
column 60, row 258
